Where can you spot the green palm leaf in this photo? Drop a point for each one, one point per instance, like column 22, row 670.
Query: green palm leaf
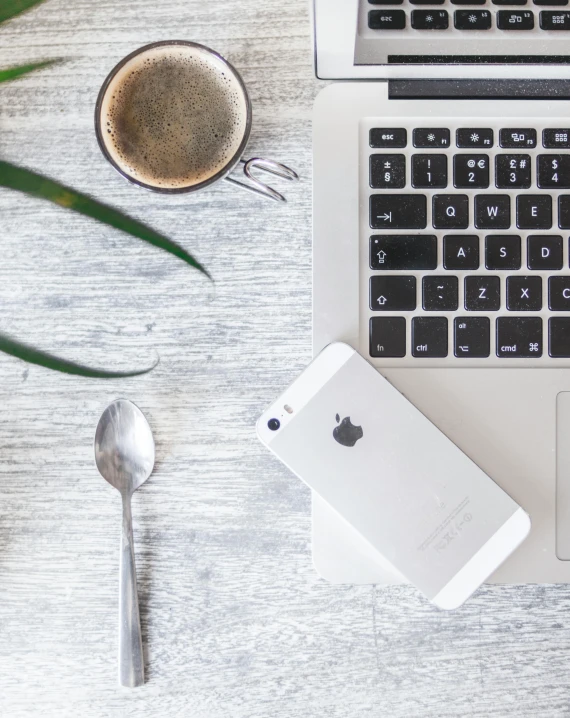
column 11, row 73
column 11, row 8
column 37, row 185
column 50, row 361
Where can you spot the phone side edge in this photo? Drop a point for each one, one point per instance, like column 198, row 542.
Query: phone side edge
column 485, row 562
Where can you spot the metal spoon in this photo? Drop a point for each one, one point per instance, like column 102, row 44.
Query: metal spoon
column 124, row 453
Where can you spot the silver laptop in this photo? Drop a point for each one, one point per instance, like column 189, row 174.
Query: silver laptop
column 441, row 241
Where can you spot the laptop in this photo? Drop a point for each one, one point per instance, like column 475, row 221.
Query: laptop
column 441, row 242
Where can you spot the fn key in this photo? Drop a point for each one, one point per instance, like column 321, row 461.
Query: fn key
column 387, row 337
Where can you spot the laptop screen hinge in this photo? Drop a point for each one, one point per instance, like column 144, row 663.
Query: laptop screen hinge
column 479, row 89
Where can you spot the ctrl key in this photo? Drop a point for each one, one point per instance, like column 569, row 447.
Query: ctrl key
column 472, row 337
column 387, row 337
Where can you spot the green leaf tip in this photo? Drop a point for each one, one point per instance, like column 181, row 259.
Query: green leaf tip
column 11, row 8
column 36, row 185
column 30, row 354
column 11, row 73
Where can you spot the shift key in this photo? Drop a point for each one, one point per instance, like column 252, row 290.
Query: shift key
column 398, row 211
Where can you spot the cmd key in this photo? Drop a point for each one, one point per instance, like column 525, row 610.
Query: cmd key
column 398, row 211
column 519, row 337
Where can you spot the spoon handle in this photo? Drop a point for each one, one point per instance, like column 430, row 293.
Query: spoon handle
column 131, row 663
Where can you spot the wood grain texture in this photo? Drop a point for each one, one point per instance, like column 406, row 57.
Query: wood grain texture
column 235, row 621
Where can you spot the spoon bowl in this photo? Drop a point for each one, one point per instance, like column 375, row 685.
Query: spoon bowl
column 124, row 454
column 124, row 446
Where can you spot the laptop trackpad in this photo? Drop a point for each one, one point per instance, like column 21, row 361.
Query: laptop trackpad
column 563, row 476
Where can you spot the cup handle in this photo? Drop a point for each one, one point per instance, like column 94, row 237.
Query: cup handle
column 259, row 187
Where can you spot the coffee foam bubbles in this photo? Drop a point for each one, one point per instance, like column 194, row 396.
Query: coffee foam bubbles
column 173, row 116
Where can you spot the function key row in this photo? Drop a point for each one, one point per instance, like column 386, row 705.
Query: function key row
column 468, row 20
column 480, row 137
column 516, row 337
column 452, row 211
column 397, row 252
column 553, row 3
column 397, row 293
column 470, row 171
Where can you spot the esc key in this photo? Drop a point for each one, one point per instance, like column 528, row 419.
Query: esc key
column 388, row 137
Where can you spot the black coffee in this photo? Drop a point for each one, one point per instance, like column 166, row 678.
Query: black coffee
column 173, row 116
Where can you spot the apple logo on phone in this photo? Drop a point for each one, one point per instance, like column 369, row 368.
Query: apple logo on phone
column 346, row 434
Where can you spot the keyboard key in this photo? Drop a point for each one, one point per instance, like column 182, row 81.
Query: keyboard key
column 482, row 294
column 502, row 251
column 492, row 211
column 429, row 171
column 427, row 2
column 509, row 2
column 440, row 294
column 554, row 138
column 389, row 293
column 472, row 19
column 534, row 211
column 510, row 138
column 387, row 171
column 551, row 2
column 403, row 251
column 468, row 2
column 450, row 211
column 388, row 137
column 559, row 294
column 564, row 211
column 559, row 337
column 461, row 252
column 524, row 294
column 386, row 19
column 544, row 252
column 430, row 19
column 512, row 171
column 519, row 337
column 472, row 337
column 515, row 20
column 431, row 137
column 474, row 137
column 553, row 171
column 398, row 211
column 385, row 2
column 471, row 171
column 555, row 20
column 387, row 337
column 429, row 337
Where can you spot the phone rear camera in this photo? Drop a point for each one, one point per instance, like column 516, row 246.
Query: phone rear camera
column 273, row 424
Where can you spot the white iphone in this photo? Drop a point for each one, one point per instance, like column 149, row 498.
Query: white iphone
column 418, row 500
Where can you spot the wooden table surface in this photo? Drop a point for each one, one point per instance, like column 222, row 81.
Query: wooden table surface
column 235, row 621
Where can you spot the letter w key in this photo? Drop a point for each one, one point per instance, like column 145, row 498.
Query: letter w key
column 492, row 211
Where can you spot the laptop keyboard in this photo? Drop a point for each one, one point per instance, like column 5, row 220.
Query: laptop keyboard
column 467, row 241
